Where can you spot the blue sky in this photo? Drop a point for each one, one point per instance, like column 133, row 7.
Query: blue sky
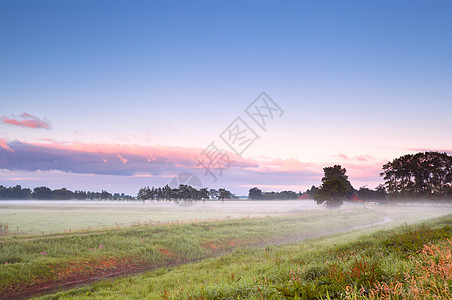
column 355, row 79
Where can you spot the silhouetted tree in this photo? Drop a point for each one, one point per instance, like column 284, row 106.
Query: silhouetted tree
column 224, row 194
column 367, row 194
column 331, row 193
column 255, row 194
column 42, row 193
column 420, row 175
column 337, row 172
column 213, row 194
column 62, row 194
column 16, row 192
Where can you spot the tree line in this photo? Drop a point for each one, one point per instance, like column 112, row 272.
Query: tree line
column 420, row 176
column 257, row 194
column 424, row 175
column 45, row 193
column 183, row 192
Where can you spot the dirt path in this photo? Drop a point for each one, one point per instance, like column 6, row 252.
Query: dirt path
column 302, row 237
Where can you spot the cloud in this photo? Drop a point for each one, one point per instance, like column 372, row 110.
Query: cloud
column 360, row 158
column 342, row 156
column 123, row 160
column 162, row 162
column 103, row 159
column 27, row 120
column 4, row 145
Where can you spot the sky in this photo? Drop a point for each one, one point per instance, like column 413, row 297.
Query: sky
column 117, row 95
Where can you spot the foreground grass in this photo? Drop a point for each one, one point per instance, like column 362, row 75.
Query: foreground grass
column 409, row 262
column 29, row 263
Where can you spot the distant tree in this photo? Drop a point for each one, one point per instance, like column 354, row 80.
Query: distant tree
column 213, row 194
column 62, row 194
column 42, row 193
column 255, row 194
column 312, row 191
column 331, row 193
column 16, row 192
column 204, row 194
column 224, row 194
column 381, row 189
column 183, row 193
column 367, row 194
column 105, row 195
column 80, row 195
column 144, row 194
column 285, row 195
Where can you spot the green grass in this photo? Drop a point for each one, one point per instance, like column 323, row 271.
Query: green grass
column 41, row 219
column 38, row 219
column 27, row 262
column 343, row 266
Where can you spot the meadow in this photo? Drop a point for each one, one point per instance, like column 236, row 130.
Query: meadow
column 407, row 262
column 33, row 263
column 44, row 217
column 48, row 217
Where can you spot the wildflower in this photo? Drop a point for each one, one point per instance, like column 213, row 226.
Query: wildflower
column 43, row 253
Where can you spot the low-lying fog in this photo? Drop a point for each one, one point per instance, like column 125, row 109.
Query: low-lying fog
column 32, row 216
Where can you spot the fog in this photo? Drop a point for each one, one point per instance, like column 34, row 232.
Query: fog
column 33, row 216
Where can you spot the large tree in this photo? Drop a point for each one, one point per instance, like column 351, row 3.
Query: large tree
column 331, row 193
column 335, row 187
column 337, row 172
column 420, row 175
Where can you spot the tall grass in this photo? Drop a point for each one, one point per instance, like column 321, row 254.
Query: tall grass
column 28, row 262
column 409, row 262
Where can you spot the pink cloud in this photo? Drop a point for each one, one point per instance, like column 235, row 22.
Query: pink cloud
column 123, row 160
column 143, row 175
column 286, row 165
column 27, row 120
column 4, row 145
column 109, row 159
column 342, row 155
column 273, row 187
column 163, row 162
column 364, row 157
column 354, row 158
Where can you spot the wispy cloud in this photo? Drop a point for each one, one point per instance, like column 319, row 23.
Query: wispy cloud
column 362, row 158
column 27, row 120
column 4, row 145
column 105, row 159
column 165, row 161
column 123, row 160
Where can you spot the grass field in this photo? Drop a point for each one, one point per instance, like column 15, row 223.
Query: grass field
column 409, row 262
column 44, row 217
column 34, row 261
column 28, row 263
column 37, row 217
